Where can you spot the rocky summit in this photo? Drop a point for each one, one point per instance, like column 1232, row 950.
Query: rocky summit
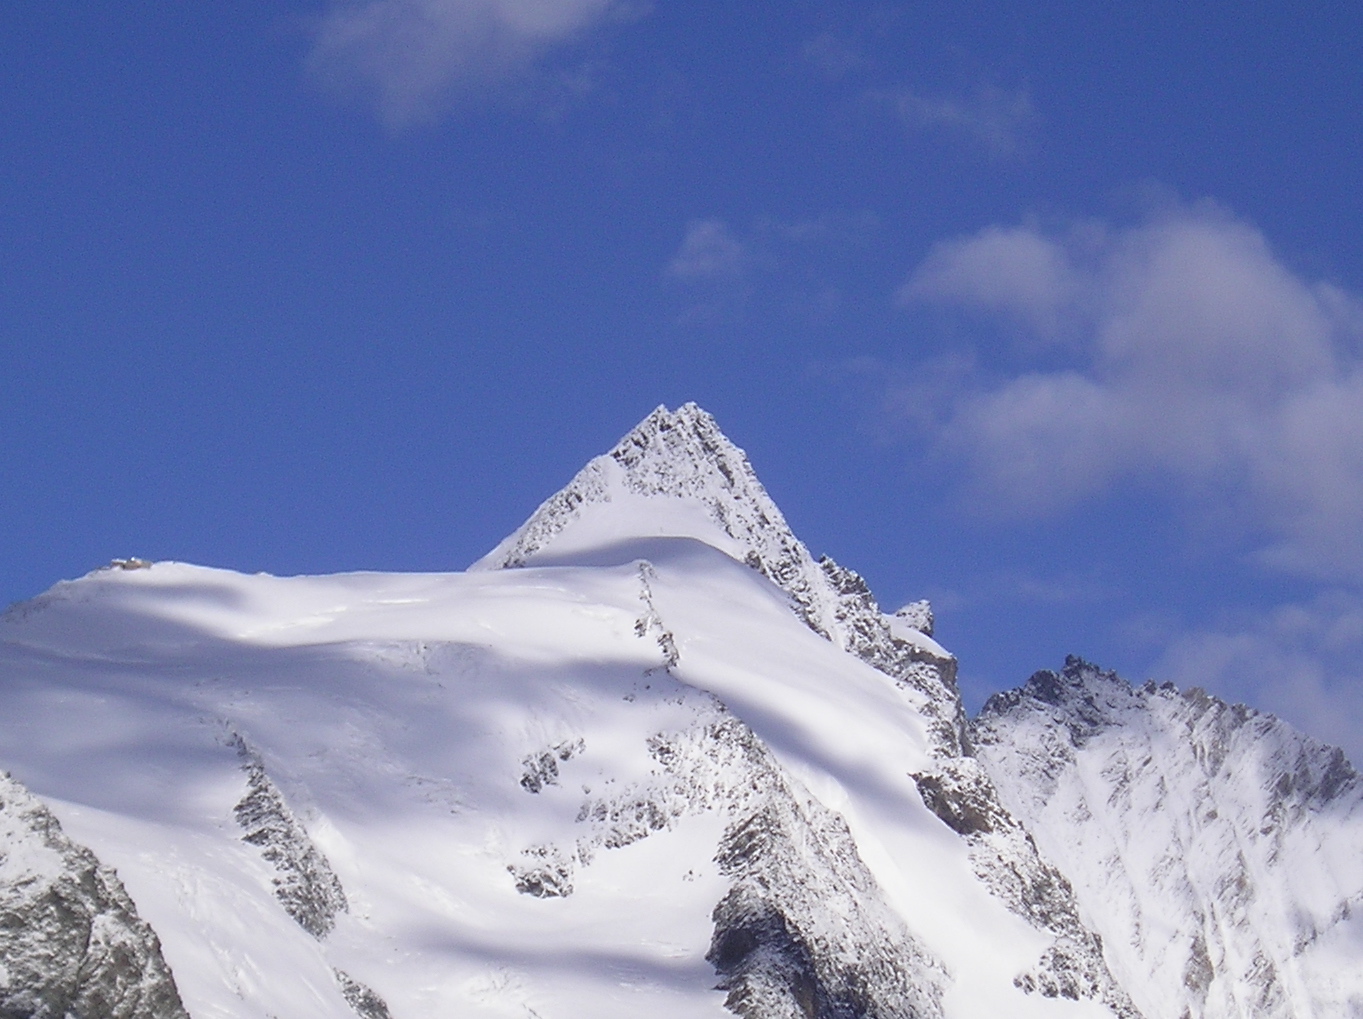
column 650, row 756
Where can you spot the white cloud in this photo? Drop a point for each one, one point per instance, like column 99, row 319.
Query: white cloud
column 414, row 57
column 1013, row 270
column 709, row 250
column 1197, row 356
column 995, row 118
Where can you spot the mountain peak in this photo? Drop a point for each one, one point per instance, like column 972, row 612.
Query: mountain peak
column 675, row 474
column 673, row 447
column 1088, row 701
column 685, row 454
column 1088, row 693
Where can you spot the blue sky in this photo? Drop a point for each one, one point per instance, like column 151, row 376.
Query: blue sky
column 1049, row 312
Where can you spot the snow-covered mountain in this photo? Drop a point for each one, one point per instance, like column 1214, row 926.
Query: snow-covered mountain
column 1218, row 852
column 647, row 757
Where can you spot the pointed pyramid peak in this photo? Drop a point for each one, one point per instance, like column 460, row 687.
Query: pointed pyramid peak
column 675, row 474
column 684, row 454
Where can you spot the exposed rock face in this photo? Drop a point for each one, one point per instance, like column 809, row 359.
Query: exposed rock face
column 365, row 1003
column 305, row 884
column 1006, row 860
column 544, row 872
column 903, row 651
column 71, row 943
column 803, row 930
column 1214, row 848
column 541, row 769
column 917, row 615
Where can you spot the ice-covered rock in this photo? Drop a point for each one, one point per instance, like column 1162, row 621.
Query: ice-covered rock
column 1214, row 848
column 304, row 882
column 916, row 615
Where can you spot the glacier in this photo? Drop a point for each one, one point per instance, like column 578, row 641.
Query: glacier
column 649, row 756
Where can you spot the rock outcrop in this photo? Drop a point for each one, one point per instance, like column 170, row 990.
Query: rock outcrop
column 71, row 943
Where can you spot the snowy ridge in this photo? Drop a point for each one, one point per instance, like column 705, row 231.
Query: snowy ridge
column 1213, row 847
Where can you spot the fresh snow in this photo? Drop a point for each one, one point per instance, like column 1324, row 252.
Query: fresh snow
column 1216, row 850
column 396, row 714
column 647, row 757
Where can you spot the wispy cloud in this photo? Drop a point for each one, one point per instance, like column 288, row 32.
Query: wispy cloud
column 1013, row 271
column 414, row 58
column 709, row 250
column 787, row 268
column 999, row 120
column 1195, row 355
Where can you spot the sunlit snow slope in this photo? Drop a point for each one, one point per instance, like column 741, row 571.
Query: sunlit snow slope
column 648, row 758
column 1218, row 852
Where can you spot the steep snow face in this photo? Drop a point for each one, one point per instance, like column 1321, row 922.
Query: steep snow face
column 678, row 475
column 1215, row 849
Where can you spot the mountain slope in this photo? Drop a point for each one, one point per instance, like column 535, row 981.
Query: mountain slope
column 1216, row 850
column 647, row 757
column 677, row 472
column 640, row 773
column 71, row 942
